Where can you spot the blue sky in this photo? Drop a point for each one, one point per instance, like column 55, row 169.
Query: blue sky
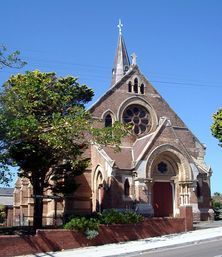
column 178, row 44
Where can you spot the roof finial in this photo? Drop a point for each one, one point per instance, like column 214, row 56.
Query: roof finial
column 120, row 25
column 133, row 55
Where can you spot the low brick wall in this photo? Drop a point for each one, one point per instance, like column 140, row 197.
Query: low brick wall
column 58, row 239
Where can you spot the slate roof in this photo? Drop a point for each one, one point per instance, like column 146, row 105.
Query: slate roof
column 121, row 61
column 123, row 159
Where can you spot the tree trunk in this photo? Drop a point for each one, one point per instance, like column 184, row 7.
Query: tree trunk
column 38, row 206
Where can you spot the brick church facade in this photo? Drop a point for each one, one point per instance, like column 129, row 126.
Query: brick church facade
column 159, row 169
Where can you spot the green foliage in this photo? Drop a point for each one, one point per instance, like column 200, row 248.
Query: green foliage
column 132, row 217
column 42, row 121
column 113, row 216
column 10, row 60
column 82, row 224
column 113, row 135
column 216, row 204
column 90, row 226
column 45, row 129
column 5, row 173
column 218, row 214
column 216, row 127
column 90, row 234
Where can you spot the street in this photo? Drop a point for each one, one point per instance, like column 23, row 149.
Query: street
column 212, row 248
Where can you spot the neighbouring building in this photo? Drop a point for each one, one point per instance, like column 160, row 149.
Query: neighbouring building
column 6, row 201
column 159, row 169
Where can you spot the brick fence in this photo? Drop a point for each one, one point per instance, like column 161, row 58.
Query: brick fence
column 59, row 239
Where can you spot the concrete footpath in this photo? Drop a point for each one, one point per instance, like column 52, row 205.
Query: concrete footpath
column 206, row 231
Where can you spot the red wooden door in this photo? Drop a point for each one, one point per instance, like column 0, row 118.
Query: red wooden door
column 162, row 199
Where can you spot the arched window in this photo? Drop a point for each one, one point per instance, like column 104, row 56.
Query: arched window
column 126, row 187
column 108, row 120
column 142, row 89
column 135, row 86
column 130, row 87
column 99, row 192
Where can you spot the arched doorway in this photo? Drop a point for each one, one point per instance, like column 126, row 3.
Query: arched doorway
column 164, row 174
column 168, row 168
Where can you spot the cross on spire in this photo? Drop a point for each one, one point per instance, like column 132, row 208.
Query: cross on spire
column 121, row 61
column 120, row 25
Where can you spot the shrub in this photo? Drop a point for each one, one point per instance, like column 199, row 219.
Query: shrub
column 90, row 234
column 90, row 226
column 132, row 217
column 216, row 204
column 113, row 216
column 83, row 224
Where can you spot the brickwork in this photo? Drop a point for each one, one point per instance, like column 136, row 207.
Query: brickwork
column 187, row 214
column 57, row 240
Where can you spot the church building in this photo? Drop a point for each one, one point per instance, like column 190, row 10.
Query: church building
column 159, row 169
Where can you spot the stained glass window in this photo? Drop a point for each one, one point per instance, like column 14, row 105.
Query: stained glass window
column 138, row 117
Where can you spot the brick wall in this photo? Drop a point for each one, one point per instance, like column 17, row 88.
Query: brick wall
column 57, row 240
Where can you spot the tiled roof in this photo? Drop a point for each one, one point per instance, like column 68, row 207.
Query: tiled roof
column 123, row 158
column 140, row 145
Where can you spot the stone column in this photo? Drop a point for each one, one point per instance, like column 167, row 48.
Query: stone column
column 184, row 194
column 186, row 210
column 149, row 186
column 143, row 191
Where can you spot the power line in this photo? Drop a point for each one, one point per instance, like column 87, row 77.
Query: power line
column 69, row 63
column 185, row 83
column 88, row 73
column 106, row 68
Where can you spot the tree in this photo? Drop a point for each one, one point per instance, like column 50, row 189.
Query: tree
column 10, row 60
column 217, row 201
column 5, row 173
column 45, row 129
column 216, row 128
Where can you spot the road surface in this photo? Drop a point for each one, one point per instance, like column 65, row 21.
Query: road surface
column 212, row 248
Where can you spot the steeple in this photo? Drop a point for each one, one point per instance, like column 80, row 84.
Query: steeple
column 121, row 62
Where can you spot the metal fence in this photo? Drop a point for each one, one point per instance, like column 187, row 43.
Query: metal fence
column 22, row 220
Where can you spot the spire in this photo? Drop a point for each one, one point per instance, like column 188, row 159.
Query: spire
column 121, row 62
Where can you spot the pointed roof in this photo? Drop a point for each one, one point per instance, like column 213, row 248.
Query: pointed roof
column 121, row 62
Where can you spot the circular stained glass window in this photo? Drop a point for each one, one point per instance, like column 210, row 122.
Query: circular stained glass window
column 138, row 117
column 162, row 167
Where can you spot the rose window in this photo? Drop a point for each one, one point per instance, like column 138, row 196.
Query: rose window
column 138, row 117
column 162, row 167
